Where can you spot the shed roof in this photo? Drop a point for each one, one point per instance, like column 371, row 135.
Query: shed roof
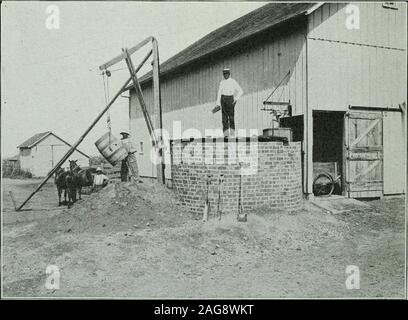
column 240, row 29
column 37, row 138
column 34, row 140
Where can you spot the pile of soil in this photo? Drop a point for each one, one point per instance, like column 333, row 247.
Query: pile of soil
column 120, row 207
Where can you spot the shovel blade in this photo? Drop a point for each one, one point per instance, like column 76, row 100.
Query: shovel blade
column 242, row 217
column 205, row 212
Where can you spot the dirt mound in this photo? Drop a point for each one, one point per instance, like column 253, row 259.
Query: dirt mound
column 121, row 207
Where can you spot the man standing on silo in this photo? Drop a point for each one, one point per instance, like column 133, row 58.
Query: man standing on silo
column 229, row 93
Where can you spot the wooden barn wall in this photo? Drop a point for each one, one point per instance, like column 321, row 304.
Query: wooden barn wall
column 187, row 99
column 364, row 67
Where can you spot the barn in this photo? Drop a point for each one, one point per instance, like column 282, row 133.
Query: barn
column 42, row 151
column 339, row 68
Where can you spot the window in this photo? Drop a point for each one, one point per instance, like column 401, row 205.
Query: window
column 390, row 5
column 141, row 151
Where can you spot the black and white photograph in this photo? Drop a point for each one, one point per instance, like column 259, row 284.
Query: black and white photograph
column 216, row 150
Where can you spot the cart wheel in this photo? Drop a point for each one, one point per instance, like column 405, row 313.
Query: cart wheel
column 323, row 185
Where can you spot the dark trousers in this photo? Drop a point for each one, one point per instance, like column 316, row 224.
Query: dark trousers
column 227, row 107
column 129, row 168
column 124, row 170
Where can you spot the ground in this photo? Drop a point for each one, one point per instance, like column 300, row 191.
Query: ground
column 136, row 241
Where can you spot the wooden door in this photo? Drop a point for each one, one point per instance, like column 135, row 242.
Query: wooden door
column 364, row 154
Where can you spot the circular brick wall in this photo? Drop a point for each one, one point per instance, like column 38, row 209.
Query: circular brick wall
column 271, row 173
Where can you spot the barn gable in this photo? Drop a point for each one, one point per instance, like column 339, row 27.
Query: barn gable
column 39, row 137
column 41, row 152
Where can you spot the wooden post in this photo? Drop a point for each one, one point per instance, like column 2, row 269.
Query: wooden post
column 139, row 95
column 158, row 111
column 122, row 56
column 308, row 138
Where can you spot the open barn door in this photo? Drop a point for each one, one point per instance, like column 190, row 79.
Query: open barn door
column 364, row 154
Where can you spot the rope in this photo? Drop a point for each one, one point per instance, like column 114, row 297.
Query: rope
column 278, row 85
column 106, row 92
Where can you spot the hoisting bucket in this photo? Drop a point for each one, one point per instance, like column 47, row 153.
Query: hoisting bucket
column 111, row 148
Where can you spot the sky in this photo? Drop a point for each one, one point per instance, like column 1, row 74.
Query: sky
column 50, row 80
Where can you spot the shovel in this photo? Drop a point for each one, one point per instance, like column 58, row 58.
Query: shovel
column 206, row 211
column 241, row 216
column 220, row 181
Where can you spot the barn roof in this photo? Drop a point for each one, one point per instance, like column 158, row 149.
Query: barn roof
column 37, row 138
column 245, row 27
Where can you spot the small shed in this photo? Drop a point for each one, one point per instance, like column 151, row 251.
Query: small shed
column 40, row 153
column 11, row 165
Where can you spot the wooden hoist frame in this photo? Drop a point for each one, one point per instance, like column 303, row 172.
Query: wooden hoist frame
column 155, row 134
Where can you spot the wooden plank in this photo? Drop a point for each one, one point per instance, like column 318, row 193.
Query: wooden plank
column 308, row 137
column 364, row 115
column 365, row 132
column 366, row 149
column 122, row 56
column 140, row 97
column 158, row 110
column 366, row 194
column 367, row 170
column 276, row 103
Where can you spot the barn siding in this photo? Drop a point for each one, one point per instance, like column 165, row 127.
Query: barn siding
column 378, row 26
column 369, row 68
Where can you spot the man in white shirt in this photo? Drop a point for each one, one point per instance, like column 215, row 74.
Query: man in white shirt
column 129, row 164
column 229, row 93
column 100, row 180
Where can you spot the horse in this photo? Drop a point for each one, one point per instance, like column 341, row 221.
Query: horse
column 60, row 182
column 71, row 183
column 81, row 177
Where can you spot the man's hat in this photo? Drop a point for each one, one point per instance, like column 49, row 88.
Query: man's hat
column 226, row 70
column 123, row 133
column 98, row 169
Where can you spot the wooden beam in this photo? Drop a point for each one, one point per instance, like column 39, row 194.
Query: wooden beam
column 122, row 56
column 308, row 136
column 276, row 103
column 365, row 132
column 74, row 146
column 158, row 110
column 139, row 95
column 374, row 108
column 366, row 170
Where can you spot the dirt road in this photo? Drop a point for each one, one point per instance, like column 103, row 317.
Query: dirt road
column 126, row 243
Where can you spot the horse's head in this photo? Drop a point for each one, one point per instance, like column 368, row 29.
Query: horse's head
column 73, row 166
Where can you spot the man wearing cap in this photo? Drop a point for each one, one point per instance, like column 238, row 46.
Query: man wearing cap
column 229, row 93
column 100, row 180
column 129, row 164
